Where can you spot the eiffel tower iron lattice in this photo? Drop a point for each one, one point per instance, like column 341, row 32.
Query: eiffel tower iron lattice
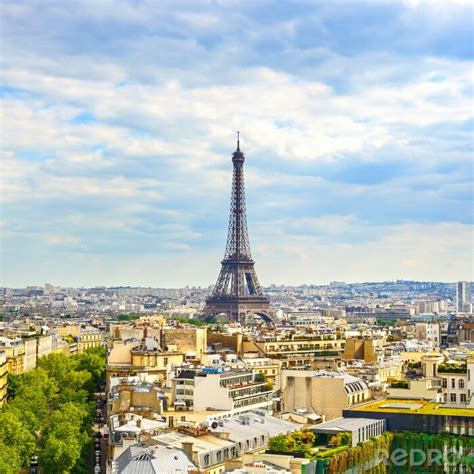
column 237, row 291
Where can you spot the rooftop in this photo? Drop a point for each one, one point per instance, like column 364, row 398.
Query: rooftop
column 342, row 424
column 155, row 459
column 417, row 407
column 247, row 425
column 202, row 444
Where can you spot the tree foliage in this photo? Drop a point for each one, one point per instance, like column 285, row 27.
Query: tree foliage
column 296, row 442
column 48, row 412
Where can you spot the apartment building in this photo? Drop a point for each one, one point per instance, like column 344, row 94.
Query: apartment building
column 296, row 350
column 362, row 349
column 14, row 349
column 428, row 331
column 3, row 377
column 269, row 368
column 233, row 390
column 251, row 431
column 85, row 337
column 143, row 358
column 132, row 394
column 207, row 452
column 35, row 348
column 126, row 429
column 376, row 373
column 142, row 458
column 457, row 389
column 450, row 382
column 323, row 392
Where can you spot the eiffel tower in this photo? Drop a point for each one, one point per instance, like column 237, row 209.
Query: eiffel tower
column 237, row 292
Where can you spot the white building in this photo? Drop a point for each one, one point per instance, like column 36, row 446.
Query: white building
column 210, row 388
column 427, row 331
column 463, row 296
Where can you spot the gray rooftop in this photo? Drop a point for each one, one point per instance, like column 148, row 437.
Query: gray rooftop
column 248, row 425
column 140, row 459
column 342, row 424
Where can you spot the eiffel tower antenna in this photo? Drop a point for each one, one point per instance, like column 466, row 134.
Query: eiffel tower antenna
column 237, row 291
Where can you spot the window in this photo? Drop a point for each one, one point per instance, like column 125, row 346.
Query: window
column 165, row 361
column 461, row 383
column 453, row 383
column 463, row 398
column 219, row 456
column 453, row 397
column 226, row 453
column 206, row 459
column 445, row 383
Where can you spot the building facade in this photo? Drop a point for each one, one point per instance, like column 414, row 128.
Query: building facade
column 233, row 390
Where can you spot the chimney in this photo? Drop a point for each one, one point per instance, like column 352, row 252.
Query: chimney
column 188, row 449
column 139, row 423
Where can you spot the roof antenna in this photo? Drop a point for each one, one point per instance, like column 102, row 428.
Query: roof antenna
column 238, row 140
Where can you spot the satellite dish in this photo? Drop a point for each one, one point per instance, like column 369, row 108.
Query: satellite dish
column 214, row 425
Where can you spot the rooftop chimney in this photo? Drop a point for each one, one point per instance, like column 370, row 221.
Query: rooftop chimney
column 188, row 449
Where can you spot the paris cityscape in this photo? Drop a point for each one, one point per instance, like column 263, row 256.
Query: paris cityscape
column 236, row 237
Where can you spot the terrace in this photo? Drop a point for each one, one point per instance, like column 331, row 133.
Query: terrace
column 417, row 407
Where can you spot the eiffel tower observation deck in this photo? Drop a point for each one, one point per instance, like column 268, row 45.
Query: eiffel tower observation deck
column 237, row 292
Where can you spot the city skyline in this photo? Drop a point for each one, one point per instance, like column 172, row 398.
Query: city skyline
column 119, row 123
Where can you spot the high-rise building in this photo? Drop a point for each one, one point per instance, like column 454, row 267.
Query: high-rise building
column 237, row 292
column 463, row 295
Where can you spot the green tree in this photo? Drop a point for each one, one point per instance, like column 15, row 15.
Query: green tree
column 92, row 361
column 60, row 452
column 10, row 461
column 13, row 383
column 49, row 404
column 278, row 443
column 57, row 366
column 64, row 438
column 298, row 441
column 14, row 431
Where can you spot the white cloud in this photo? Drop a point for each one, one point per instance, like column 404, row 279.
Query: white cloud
column 119, row 135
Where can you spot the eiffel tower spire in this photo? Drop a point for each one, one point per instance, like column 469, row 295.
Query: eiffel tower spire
column 237, row 291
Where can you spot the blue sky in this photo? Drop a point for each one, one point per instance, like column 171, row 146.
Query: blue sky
column 119, row 119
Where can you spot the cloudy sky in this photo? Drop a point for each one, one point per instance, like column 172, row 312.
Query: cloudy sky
column 119, row 120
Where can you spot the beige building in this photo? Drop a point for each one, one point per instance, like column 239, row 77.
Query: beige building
column 423, row 389
column 35, row 348
column 85, row 337
column 227, row 341
column 145, row 359
column 132, row 394
column 297, row 351
column 153, row 357
column 30, row 353
column 191, row 341
column 269, row 368
column 323, row 392
column 3, row 377
column 360, row 349
column 253, row 462
column 15, row 354
column 209, row 453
